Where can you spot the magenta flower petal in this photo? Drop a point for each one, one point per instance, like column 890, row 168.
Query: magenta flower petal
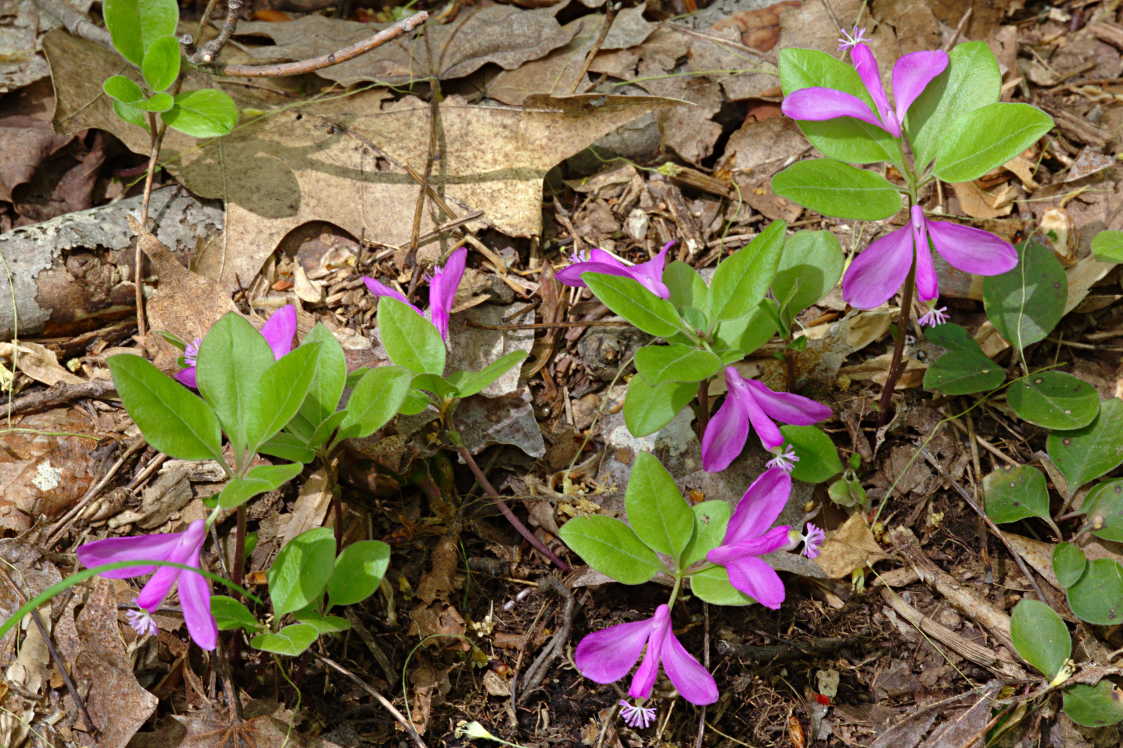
column 186, row 377
column 607, row 655
column 571, row 274
column 195, row 600
column 787, row 407
column 760, row 506
column 442, row 290
column 280, row 329
column 725, row 434
column 818, row 103
column 927, row 282
column 766, row 430
column 688, row 675
column 912, row 74
column 650, row 274
column 187, row 547
column 378, row 288
column 756, row 579
column 138, row 548
column 647, row 672
column 866, row 64
column 972, row 250
column 879, row 271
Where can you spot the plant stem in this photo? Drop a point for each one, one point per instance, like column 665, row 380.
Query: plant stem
column 156, row 137
column 703, row 407
column 896, row 365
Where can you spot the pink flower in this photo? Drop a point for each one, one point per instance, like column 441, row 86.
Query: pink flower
column 812, row 537
column 785, row 459
column 850, row 39
column 278, row 332
column 636, row 716
column 911, row 75
column 748, row 537
column 442, row 291
column 750, row 402
column 648, row 274
column 607, row 655
column 877, row 273
column 933, row 317
column 180, row 547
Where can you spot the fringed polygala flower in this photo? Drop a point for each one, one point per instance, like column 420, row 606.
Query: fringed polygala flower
column 648, row 274
column 750, row 534
column 278, row 332
column 750, row 402
column 876, row 274
column 911, row 75
column 607, row 655
column 442, row 291
column 179, row 547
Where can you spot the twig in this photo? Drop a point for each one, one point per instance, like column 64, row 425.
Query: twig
column 552, row 325
column 537, row 670
column 62, row 393
column 409, row 728
column 605, row 27
column 134, row 446
column 206, row 53
column 301, row 67
column 74, row 22
column 895, row 365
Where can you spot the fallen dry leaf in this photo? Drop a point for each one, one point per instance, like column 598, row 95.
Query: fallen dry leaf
column 851, row 546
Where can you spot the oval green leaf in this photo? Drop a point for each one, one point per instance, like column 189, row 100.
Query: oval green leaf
column 1069, row 564
column 282, row 390
column 1085, row 454
column 261, row 479
column 1054, row 400
column 468, row 383
column 977, row 141
column 675, row 363
column 411, row 340
column 1108, row 246
column 206, row 113
column 358, row 572
column 1026, row 303
column 1104, row 507
column 301, row 570
column 160, row 66
column 688, row 290
column 289, row 641
column 230, row 614
column 1098, row 596
column 612, row 548
column 1100, row 705
column 656, row 510
column 742, row 279
column 374, row 401
column 157, row 102
column 964, row 369
column 1040, row 636
column 329, row 377
column 712, row 585
column 648, row 408
column 836, row 189
column 120, row 88
column 232, row 359
column 135, row 24
column 711, row 518
column 818, row 456
column 809, row 268
column 1015, row 494
column 633, row 302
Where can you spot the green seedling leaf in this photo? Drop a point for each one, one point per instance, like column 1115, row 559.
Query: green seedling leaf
column 288, row 446
column 326, row 428
column 688, row 290
column 289, row 641
column 744, row 335
column 411, row 340
column 1085, row 454
column 818, row 456
column 358, row 572
column 658, row 513
column 160, row 66
column 206, row 113
column 376, row 398
column 1026, row 303
column 836, row 189
column 1108, row 246
column 675, row 363
column 809, row 268
column 612, row 548
column 328, row 378
column 980, row 140
column 1040, row 636
column 970, row 81
column 172, row 419
column 131, row 114
column 1104, row 507
column 742, row 279
column 848, row 492
column 1054, row 400
column 120, row 88
column 633, row 302
column 415, row 402
column 283, row 388
column 233, row 358
column 712, row 586
column 1098, row 596
column 1069, row 564
column 230, row 614
column 324, row 624
column 134, row 25
column 468, row 383
column 157, row 102
column 648, row 408
column 259, row 480
column 1100, row 705
column 711, row 518
column 301, row 570
column 1015, row 494
column 964, row 369
column 439, row 386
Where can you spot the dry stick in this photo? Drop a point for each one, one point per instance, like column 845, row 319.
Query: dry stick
column 409, row 728
column 551, row 325
column 74, row 22
column 156, row 137
column 534, row 674
column 63, row 522
column 61, row 394
column 896, row 364
column 506, row 510
column 606, row 26
column 317, row 63
column 210, row 50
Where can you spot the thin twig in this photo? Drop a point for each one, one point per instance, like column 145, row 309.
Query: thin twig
column 137, row 444
column 210, row 50
column 606, row 26
column 156, row 137
column 61, row 394
column 301, row 67
column 534, row 674
column 74, row 22
column 409, row 728
column 552, row 325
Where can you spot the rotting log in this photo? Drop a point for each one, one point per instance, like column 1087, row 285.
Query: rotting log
column 74, row 273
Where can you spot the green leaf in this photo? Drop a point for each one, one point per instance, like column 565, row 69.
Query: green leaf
column 301, row 570
column 206, row 113
column 411, row 340
column 289, row 641
column 1104, row 507
column 230, row 614
column 971, row 80
column 468, row 383
column 711, row 518
column 848, row 492
column 833, row 188
column 440, row 386
column 328, row 379
column 135, row 24
column 131, row 114
column 172, row 419
column 1054, row 400
column 120, row 88
column 1098, row 596
column 1069, row 564
column 809, row 268
column 612, row 548
column 282, row 390
column 658, row 513
column 160, row 66
column 1040, row 636
column 648, row 408
column 288, row 446
column 633, row 302
column 1108, row 246
column 818, row 456
column 977, row 141
column 233, row 357
column 741, row 280
column 1026, row 303
column 358, row 572
column 1016, row 493
column 323, row 624
column 712, row 585
column 326, row 428
column 157, row 102
column 1085, row 454
column 688, row 290
column 844, row 138
column 415, row 402
column 744, row 335
column 1100, row 705
column 261, row 479
column 675, row 363
column 964, row 369
column 374, row 401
